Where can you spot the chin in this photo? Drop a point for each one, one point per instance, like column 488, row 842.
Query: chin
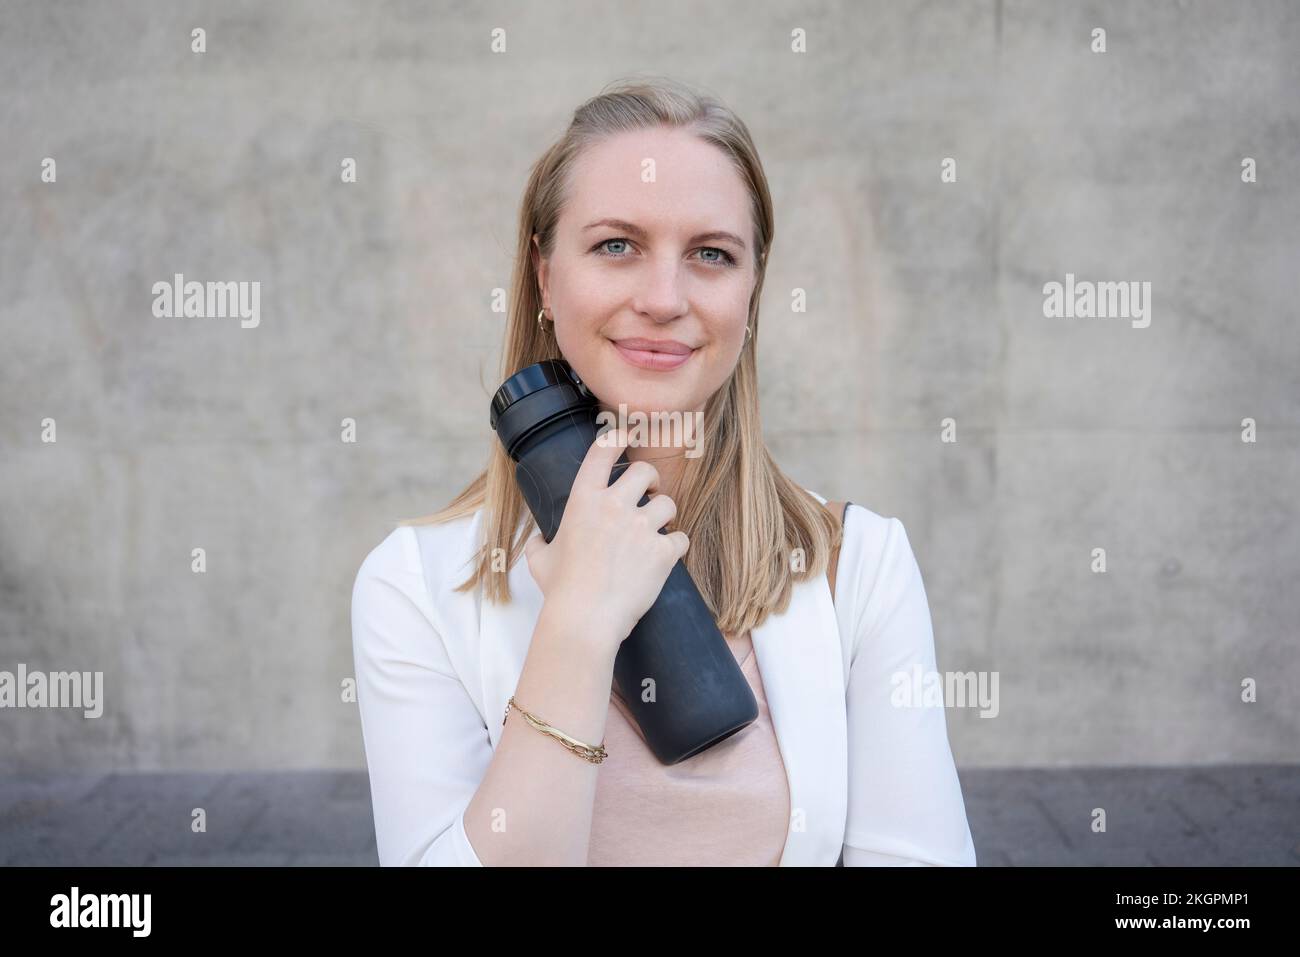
column 646, row 400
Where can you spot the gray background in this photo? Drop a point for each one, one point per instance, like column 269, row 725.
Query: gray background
column 925, row 301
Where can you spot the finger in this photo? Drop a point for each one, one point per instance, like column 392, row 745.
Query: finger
column 599, row 461
column 679, row 542
column 661, row 509
column 636, row 480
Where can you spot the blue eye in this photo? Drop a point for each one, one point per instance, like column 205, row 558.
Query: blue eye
column 726, row 258
column 600, row 246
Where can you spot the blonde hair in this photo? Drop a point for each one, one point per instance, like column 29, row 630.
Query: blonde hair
column 744, row 517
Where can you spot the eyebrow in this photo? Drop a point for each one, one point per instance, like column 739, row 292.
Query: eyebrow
column 634, row 230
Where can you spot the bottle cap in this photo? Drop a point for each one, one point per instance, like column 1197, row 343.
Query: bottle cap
column 534, row 396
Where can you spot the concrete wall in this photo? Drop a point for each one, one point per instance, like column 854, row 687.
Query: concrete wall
column 925, row 301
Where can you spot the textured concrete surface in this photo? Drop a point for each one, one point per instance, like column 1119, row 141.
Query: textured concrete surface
column 925, row 302
column 1226, row 816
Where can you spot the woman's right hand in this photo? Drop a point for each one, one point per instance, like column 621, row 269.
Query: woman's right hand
column 608, row 562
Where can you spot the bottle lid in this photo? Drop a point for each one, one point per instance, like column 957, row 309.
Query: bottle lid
column 515, row 412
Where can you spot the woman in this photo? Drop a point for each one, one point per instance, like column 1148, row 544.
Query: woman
column 644, row 237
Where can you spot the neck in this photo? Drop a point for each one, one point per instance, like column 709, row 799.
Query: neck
column 671, row 464
column 665, row 446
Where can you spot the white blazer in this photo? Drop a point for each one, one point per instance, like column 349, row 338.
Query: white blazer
column 435, row 668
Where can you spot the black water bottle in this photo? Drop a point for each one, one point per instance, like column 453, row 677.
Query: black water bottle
column 547, row 420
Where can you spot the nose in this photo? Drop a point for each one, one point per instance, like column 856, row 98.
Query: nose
column 661, row 297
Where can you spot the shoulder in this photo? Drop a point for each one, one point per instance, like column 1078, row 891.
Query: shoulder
column 431, row 551
column 882, row 569
column 868, row 536
column 413, row 570
column 393, row 558
column 877, row 569
column 390, row 602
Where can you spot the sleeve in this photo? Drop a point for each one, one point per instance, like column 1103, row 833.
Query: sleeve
column 426, row 745
column 905, row 801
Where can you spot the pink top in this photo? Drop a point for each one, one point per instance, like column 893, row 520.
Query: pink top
column 727, row 806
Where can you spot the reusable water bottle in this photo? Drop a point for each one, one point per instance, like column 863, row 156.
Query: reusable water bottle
column 547, row 420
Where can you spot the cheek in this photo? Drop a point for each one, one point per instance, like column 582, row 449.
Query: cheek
column 731, row 299
column 730, row 312
column 583, row 305
column 577, row 309
column 581, row 280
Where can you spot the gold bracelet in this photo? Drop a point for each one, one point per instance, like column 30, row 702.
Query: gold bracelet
column 594, row 755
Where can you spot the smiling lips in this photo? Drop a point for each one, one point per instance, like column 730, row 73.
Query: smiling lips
column 657, row 354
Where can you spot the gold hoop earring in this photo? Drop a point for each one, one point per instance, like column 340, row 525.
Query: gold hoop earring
column 749, row 333
column 540, row 325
